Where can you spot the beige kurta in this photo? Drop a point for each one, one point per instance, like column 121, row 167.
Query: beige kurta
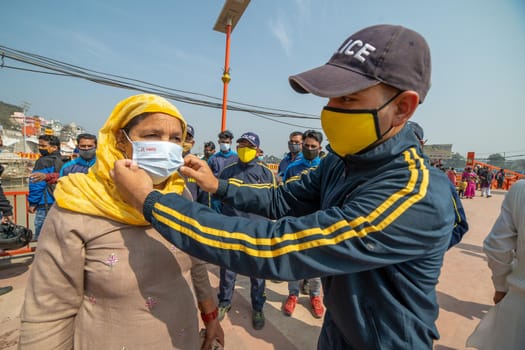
column 100, row 284
column 503, row 327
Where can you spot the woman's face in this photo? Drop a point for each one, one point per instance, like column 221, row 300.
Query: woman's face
column 154, row 127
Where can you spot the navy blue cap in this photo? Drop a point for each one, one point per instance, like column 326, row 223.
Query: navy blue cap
column 189, row 130
column 251, row 137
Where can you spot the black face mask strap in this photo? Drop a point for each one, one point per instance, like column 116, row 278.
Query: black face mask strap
column 390, row 100
column 376, row 115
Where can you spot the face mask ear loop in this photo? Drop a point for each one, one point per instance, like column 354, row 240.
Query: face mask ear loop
column 390, row 100
column 129, row 140
column 376, row 116
column 126, row 134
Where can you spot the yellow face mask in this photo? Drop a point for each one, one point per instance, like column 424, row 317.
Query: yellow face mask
column 352, row 130
column 349, row 131
column 246, row 154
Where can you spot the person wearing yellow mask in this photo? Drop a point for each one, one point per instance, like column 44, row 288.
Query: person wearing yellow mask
column 103, row 278
column 248, row 170
column 374, row 220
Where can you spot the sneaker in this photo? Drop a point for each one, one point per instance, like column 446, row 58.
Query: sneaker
column 305, row 287
column 317, row 306
column 258, row 320
column 289, row 305
column 223, row 310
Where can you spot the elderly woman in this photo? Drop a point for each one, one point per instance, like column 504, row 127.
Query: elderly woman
column 99, row 282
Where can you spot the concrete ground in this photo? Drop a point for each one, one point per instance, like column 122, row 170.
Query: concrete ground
column 464, row 292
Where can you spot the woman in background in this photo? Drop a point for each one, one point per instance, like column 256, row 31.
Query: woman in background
column 470, row 177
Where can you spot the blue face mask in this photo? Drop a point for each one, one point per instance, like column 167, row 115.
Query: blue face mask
column 160, row 159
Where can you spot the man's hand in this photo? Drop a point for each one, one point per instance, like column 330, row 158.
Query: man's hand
column 6, row 219
column 200, row 171
column 31, row 209
column 37, row 177
column 133, row 183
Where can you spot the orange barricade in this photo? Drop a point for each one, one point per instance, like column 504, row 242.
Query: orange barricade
column 14, row 196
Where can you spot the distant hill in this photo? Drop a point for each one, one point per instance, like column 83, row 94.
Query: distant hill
column 6, row 110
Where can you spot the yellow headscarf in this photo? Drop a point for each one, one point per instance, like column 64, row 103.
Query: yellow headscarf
column 95, row 193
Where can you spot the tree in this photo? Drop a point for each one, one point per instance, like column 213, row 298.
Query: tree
column 496, row 159
column 519, row 166
column 456, row 161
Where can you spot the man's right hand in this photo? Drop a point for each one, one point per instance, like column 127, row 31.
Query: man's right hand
column 201, row 172
column 133, row 183
column 31, row 210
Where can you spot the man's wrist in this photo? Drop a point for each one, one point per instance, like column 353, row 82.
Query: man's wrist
column 221, row 188
column 149, row 202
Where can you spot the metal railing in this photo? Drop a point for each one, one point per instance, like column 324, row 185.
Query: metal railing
column 18, row 200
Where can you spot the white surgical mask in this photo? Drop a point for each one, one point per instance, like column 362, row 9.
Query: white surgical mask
column 160, row 159
column 225, row 147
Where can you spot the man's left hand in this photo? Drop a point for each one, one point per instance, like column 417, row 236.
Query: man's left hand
column 133, row 183
column 37, row 177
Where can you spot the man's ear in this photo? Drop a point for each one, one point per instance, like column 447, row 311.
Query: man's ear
column 406, row 105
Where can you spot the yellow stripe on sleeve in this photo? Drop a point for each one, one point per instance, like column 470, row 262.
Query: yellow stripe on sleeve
column 411, row 157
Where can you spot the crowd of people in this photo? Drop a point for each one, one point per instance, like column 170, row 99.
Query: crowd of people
column 476, row 178
column 125, row 230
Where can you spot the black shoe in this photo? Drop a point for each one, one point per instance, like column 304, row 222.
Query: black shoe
column 305, row 287
column 258, row 320
column 5, row 290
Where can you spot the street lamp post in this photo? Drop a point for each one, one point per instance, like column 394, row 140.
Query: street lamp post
column 25, row 108
column 226, row 74
column 230, row 14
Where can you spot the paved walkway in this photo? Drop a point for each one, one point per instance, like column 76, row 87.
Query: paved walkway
column 465, row 294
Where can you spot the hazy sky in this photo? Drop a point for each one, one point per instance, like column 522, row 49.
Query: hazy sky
column 478, row 61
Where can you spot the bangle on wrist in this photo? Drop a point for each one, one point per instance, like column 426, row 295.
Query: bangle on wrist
column 210, row 316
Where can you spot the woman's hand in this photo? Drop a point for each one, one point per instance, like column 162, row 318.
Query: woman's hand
column 213, row 332
column 498, row 296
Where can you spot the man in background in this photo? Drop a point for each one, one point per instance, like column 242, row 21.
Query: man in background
column 209, row 150
column 311, row 148
column 40, row 196
column 87, row 149
column 247, row 170
column 294, row 147
column 225, row 156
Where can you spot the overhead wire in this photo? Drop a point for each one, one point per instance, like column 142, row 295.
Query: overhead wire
column 56, row 67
